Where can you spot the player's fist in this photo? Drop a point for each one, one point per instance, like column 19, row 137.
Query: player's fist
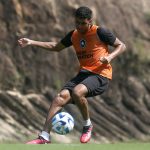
column 105, row 59
column 23, row 42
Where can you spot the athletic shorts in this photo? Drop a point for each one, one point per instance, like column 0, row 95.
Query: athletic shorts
column 95, row 83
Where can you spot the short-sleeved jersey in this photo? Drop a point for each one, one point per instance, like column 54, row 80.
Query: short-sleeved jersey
column 90, row 47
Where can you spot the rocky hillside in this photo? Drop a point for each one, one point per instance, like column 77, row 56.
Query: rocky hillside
column 31, row 77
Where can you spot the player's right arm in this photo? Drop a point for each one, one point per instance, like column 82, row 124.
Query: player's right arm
column 50, row 46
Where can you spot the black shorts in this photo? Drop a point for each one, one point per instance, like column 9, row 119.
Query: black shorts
column 96, row 84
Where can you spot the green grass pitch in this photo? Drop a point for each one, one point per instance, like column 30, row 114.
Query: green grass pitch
column 117, row 146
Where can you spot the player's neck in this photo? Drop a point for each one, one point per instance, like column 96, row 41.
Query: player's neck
column 88, row 30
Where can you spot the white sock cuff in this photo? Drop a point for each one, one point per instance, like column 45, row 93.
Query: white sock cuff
column 45, row 135
column 87, row 122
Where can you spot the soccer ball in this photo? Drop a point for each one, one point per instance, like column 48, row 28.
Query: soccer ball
column 62, row 123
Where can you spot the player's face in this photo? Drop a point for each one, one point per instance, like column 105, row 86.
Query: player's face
column 82, row 25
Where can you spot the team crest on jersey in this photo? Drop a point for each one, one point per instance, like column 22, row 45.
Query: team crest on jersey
column 82, row 43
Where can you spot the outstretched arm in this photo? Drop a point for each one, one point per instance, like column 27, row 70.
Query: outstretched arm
column 50, row 46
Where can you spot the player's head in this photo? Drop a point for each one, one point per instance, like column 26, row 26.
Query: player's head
column 83, row 13
column 83, row 19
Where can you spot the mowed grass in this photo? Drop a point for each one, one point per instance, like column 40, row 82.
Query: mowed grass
column 117, row 146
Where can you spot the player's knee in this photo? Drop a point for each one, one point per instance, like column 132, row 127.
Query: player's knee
column 61, row 99
column 58, row 101
column 76, row 93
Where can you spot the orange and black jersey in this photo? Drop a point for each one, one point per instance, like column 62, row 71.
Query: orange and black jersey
column 90, row 47
column 104, row 35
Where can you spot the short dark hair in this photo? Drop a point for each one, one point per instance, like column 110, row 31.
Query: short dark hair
column 83, row 13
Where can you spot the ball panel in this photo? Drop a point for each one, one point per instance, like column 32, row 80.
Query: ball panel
column 62, row 123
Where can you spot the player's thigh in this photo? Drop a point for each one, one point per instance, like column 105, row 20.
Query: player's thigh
column 70, row 85
column 95, row 84
column 79, row 90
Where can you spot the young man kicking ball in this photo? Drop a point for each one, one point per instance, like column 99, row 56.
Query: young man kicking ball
column 91, row 46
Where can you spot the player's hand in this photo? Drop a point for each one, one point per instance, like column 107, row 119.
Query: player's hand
column 105, row 59
column 23, row 42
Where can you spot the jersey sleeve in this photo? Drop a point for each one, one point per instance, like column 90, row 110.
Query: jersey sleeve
column 66, row 41
column 106, row 36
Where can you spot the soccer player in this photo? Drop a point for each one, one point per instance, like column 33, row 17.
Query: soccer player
column 91, row 46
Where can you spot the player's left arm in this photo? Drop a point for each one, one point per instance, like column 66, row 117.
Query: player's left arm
column 119, row 48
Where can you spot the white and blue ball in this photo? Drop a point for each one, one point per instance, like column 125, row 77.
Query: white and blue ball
column 62, row 123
